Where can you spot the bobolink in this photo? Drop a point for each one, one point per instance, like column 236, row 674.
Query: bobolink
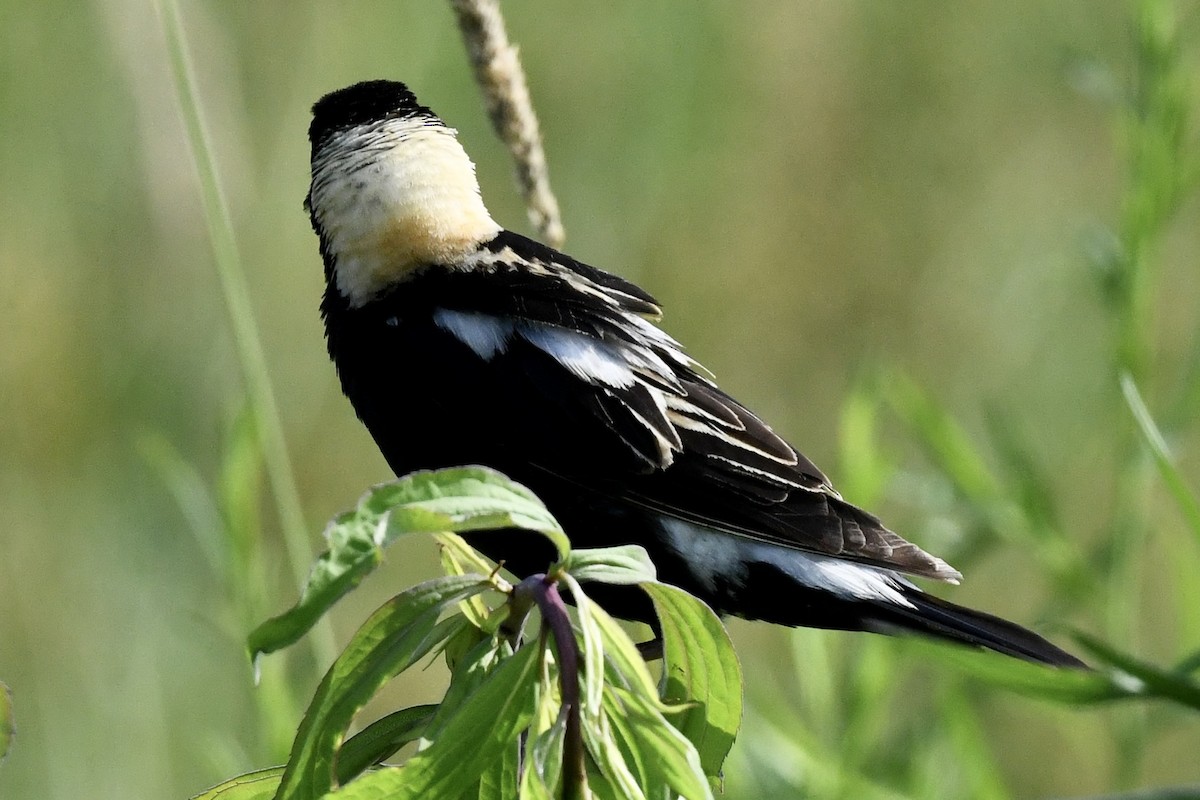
column 459, row 342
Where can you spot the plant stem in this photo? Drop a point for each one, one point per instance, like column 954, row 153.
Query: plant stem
column 506, row 95
column 245, row 332
column 555, row 617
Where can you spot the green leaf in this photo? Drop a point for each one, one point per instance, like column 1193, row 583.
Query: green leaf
column 258, row 785
column 666, row 756
column 628, row 564
column 8, row 728
column 626, row 666
column 488, row 722
column 865, row 467
column 469, row 673
column 380, row 739
column 1156, row 682
column 600, row 733
column 460, row 645
column 239, row 491
column 544, row 749
column 449, row 500
column 543, row 764
column 592, row 651
column 499, row 781
column 1070, row 686
column 702, row 670
column 459, row 558
column 945, row 440
column 1189, row 506
column 399, row 633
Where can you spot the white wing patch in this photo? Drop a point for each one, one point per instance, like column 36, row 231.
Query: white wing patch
column 487, row 335
column 584, row 356
column 710, row 553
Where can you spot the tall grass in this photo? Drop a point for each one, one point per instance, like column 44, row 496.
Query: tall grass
column 256, row 438
column 847, row 737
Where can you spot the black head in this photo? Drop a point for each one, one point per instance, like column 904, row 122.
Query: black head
column 365, row 102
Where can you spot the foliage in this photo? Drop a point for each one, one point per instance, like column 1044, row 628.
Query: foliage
column 571, row 712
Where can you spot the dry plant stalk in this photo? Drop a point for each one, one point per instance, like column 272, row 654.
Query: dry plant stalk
column 499, row 74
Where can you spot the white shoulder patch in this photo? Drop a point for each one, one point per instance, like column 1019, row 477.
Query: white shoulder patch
column 710, row 552
column 583, row 355
column 485, row 334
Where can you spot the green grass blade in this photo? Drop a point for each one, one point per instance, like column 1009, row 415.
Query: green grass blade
column 1069, row 686
column 1155, row 681
column 1189, row 506
column 944, row 439
column 241, row 315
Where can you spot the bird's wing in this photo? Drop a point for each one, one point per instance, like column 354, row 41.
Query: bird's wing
column 641, row 421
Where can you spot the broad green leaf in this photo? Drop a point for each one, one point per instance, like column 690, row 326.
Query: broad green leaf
column 380, row 739
column 459, row 558
column 665, row 754
column 352, row 555
column 398, row 634
column 543, row 764
column 258, row 785
column 623, row 732
column 601, row 740
column 464, row 557
column 600, row 786
column 702, row 670
column 458, row 646
column 487, row 723
column 499, row 781
column 469, row 673
column 628, row 564
column 626, row 666
column 446, row 501
column 8, row 728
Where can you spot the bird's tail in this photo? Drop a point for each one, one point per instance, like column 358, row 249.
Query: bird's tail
column 939, row 618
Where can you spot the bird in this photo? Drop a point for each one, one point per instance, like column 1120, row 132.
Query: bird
column 459, row 342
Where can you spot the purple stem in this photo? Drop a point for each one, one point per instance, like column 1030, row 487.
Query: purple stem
column 554, row 616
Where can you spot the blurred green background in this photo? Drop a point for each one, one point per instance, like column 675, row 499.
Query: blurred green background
column 821, row 194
